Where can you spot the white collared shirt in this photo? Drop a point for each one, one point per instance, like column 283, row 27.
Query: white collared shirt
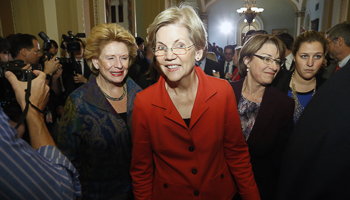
column 230, row 66
column 289, row 60
column 344, row 61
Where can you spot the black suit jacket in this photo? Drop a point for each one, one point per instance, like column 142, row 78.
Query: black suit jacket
column 222, row 68
column 269, row 136
column 317, row 160
column 211, row 65
column 282, row 80
column 67, row 77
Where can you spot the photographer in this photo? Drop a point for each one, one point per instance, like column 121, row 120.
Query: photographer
column 4, row 50
column 29, row 174
column 25, row 48
column 75, row 74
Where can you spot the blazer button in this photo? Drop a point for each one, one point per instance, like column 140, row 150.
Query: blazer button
column 194, row 171
column 196, row 193
column 191, row 149
column 222, row 175
column 165, row 186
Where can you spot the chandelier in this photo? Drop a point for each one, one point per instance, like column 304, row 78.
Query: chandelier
column 250, row 11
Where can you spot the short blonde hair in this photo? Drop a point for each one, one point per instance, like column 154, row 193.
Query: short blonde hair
column 254, row 44
column 103, row 34
column 185, row 16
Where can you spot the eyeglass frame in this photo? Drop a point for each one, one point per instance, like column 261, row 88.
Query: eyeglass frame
column 172, row 50
column 328, row 43
column 279, row 63
column 5, row 52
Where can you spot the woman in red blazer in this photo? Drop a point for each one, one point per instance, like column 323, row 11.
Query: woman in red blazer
column 187, row 139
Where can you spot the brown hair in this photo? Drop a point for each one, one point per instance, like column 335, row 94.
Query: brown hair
column 254, row 44
column 309, row 36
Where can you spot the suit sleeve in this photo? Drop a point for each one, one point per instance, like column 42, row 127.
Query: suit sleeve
column 236, row 151
column 142, row 167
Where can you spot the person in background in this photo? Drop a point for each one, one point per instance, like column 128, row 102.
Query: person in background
column 54, row 47
column 38, row 171
column 95, row 128
column 140, row 46
column 76, row 74
column 227, row 66
column 187, row 140
column 302, row 83
column 235, row 58
column 266, row 113
column 317, row 159
column 288, row 40
column 4, row 50
column 209, row 67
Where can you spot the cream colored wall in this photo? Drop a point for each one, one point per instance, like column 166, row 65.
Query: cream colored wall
column 29, row 16
column 54, row 17
column 146, row 11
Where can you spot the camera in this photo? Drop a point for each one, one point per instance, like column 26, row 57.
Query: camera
column 7, row 95
column 46, row 47
column 73, row 44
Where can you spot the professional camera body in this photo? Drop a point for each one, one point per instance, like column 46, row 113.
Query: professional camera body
column 7, row 95
column 46, row 47
column 71, row 41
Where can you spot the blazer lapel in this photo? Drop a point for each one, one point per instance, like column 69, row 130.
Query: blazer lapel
column 162, row 99
column 266, row 112
column 204, row 92
column 93, row 97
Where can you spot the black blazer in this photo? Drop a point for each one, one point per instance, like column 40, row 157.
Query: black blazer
column 67, row 78
column 222, row 68
column 269, row 136
column 211, row 65
column 317, row 160
column 282, row 80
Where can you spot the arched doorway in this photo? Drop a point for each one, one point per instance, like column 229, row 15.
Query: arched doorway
column 243, row 28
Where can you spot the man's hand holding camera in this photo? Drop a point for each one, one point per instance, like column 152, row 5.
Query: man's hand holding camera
column 39, row 135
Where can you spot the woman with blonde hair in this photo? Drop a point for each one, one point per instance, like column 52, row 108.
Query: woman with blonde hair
column 266, row 114
column 187, row 140
column 95, row 129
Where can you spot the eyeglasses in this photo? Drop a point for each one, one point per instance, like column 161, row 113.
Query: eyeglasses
column 268, row 60
column 179, row 49
column 331, row 41
column 5, row 52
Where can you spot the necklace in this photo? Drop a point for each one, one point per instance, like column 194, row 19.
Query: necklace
column 115, row 99
column 298, row 109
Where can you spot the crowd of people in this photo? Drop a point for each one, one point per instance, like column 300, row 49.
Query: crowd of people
column 178, row 118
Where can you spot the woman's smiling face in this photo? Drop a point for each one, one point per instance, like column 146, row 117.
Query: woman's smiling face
column 175, row 66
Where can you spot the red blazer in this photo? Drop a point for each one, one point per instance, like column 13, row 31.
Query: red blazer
column 172, row 161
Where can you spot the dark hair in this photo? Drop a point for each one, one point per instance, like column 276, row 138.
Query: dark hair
column 340, row 30
column 253, row 45
column 77, row 39
column 309, row 36
column 4, row 45
column 20, row 41
column 55, row 43
column 251, row 33
column 230, row 47
column 287, row 39
column 139, row 41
